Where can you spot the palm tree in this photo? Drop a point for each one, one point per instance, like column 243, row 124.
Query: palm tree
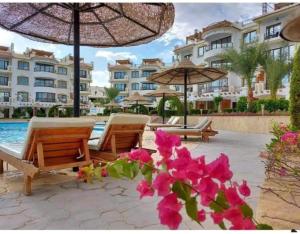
column 245, row 62
column 111, row 93
column 295, row 91
column 276, row 69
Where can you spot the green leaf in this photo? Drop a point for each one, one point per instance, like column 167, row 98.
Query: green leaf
column 182, row 190
column 147, row 172
column 97, row 173
column 222, row 225
column 135, row 169
column 263, row 226
column 127, row 170
column 112, row 171
column 220, row 203
column 247, row 211
column 191, row 209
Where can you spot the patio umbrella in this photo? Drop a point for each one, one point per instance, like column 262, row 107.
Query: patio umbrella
column 88, row 24
column 186, row 73
column 112, row 104
column 136, row 98
column 163, row 91
column 291, row 31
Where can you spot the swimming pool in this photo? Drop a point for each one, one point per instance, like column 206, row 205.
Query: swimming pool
column 15, row 132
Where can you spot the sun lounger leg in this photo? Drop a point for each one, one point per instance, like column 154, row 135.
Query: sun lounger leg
column 1, row 166
column 27, row 185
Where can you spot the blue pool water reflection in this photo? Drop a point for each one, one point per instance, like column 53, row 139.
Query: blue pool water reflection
column 15, row 132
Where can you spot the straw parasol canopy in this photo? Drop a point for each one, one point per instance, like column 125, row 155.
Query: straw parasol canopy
column 112, row 104
column 186, row 73
column 291, row 31
column 163, row 91
column 88, row 24
column 136, row 98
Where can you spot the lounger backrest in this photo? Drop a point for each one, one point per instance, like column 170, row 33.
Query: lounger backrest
column 61, row 141
column 201, row 123
column 175, row 120
column 170, row 120
column 125, row 128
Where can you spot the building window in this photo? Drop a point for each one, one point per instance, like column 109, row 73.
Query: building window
column 22, row 80
column 84, row 100
column 62, row 98
column 61, row 84
column 62, row 70
column 201, row 51
column 188, row 56
column 148, row 86
column 83, row 87
column 283, row 52
column 250, row 37
column 4, row 96
column 135, row 86
column 272, row 31
column 45, row 97
column 41, row 67
column 4, row 64
column 135, row 74
column 119, row 75
column 147, row 73
column 22, row 97
column 177, row 88
column 3, row 80
column 220, row 43
column 120, row 87
column 22, row 65
column 83, row 73
column 39, row 82
column 220, row 64
column 119, row 99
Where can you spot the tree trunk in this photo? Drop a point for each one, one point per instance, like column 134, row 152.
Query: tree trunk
column 273, row 94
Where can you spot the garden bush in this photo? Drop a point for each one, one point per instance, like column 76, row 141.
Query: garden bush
column 195, row 112
column 41, row 112
column 153, row 112
column 242, row 104
column 228, row 110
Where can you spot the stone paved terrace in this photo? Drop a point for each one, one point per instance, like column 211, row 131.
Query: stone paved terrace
column 60, row 202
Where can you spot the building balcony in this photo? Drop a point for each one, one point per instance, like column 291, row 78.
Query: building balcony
column 8, row 86
column 213, row 89
column 218, row 30
column 7, row 70
column 114, row 80
column 269, row 36
column 211, row 52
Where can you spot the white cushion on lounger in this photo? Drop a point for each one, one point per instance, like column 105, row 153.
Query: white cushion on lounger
column 12, row 149
column 122, row 119
column 201, row 123
column 40, row 123
column 175, row 120
column 170, row 120
column 197, row 128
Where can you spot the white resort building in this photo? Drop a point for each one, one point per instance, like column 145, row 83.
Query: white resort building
column 205, row 47
column 36, row 78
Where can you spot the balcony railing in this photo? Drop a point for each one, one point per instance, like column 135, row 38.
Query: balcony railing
column 219, row 46
column 212, row 89
column 271, row 35
column 45, row 100
column 43, row 69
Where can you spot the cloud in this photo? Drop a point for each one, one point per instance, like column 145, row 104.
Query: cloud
column 111, row 56
column 100, row 78
column 6, row 37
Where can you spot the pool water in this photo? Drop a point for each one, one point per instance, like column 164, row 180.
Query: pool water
column 15, row 132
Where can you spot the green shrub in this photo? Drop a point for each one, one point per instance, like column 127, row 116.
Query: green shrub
column 53, row 111
column 252, row 107
column 283, row 104
column 217, row 101
column 195, row 112
column 295, row 92
column 141, row 109
column 176, row 106
column 41, row 112
column 17, row 113
column 242, row 104
column 153, row 112
column 228, row 110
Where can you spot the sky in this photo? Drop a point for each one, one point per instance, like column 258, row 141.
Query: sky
column 188, row 17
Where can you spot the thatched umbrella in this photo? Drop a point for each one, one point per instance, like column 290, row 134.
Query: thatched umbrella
column 88, row 24
column 112, row 105
column 291, row 31
column 136, row 98
column 186, row 73
column 163, row 91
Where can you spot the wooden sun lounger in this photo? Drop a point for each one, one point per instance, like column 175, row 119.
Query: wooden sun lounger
column 204, row 132
column 173, row 122
column 49, row 149
column 120, row 138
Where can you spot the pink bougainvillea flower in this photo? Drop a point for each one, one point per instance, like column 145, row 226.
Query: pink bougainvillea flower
column 233, row 197
column 195, row 171
column 234, row 215
column 217, row 217
column 183, row 159
column 201, row 215
column 144, row 189
column 134, row 155
column 144, row 155
column 219, row 168
column 162, row 183
column 208, row 190
column 168, row 209
column 166, row 142
column 245, row 224
column 244, row 189
column 104, row 172
column 290, row 138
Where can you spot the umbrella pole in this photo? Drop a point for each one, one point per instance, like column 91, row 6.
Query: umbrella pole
column 137, row 106
column 163, row 114
column 76, row 60
column 185, row 99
